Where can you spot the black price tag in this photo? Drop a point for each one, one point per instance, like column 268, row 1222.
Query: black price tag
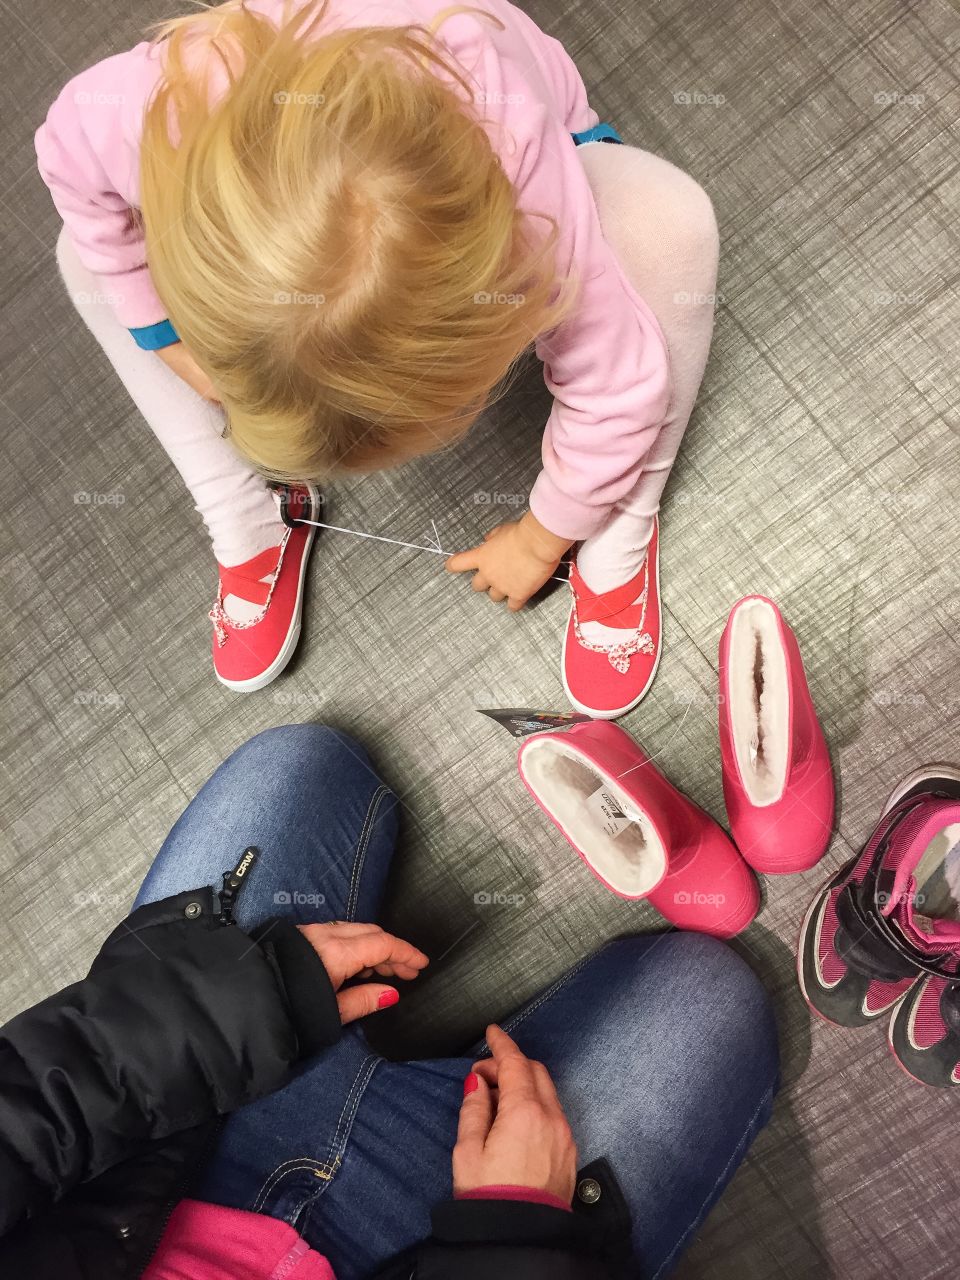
column 523, row 721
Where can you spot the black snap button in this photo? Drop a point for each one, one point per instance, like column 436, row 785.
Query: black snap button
column 589, row 1190
column 192, row 910
column 124, row 1232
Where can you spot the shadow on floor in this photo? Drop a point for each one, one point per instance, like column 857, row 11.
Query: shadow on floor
column 768, row 1218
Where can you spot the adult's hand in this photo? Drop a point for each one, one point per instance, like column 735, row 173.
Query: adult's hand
column 362, row 950
column 512, row 1128
column 179, row 359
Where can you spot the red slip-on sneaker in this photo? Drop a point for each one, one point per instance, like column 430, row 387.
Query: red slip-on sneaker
column 606, row 680
column 777, row 777
column 635, row 831
column 888, row 920
column 250, row 654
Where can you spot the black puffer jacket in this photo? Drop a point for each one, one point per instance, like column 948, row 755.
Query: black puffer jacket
column 111, row 1094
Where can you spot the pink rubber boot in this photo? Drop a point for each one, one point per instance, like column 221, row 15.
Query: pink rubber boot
column 638, row 835
column 777, row 778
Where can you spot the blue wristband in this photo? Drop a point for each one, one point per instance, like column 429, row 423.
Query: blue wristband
column 599, row 133
column 154, row 336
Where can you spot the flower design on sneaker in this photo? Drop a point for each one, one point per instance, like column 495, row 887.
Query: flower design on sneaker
column 612, row 643
column 620, row 654
column 253, row 581
column 257, row 613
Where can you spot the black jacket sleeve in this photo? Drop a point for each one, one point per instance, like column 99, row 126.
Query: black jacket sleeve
column 181, row 1018
column 477, row 1239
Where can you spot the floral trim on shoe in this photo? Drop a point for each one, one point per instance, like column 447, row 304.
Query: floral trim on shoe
column 619, row 607
column 222, row 622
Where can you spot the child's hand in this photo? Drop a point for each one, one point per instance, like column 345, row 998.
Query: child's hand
column 179, row 359
column 514, row 560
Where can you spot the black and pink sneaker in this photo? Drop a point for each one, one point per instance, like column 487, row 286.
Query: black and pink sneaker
column 890, row 918
column 924, row 1032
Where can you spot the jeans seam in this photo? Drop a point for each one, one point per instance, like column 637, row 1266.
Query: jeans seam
column 545, row 995
column 361, row 852
column 324, row 1169
column 290, row 1166
column 345, row 1124
column 736, row 1156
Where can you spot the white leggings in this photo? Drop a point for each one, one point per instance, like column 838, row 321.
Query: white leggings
column 660, row 224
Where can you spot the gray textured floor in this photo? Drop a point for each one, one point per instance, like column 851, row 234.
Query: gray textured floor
column 821, row 468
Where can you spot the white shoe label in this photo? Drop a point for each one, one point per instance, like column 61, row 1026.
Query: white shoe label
column 604, row 807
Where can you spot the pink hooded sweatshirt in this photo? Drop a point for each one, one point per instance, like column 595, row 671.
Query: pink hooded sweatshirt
column 207, row 1242
column 606, row 365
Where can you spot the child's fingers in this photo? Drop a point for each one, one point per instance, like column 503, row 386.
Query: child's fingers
column 479, row 582
column 463, row 560
column 499, row 529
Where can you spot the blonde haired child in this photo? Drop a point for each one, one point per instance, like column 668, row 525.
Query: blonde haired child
column 331, row 231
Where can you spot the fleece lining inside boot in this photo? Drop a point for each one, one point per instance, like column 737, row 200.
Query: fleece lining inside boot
column 759, row 701
column 600, row 819
column 937, row 876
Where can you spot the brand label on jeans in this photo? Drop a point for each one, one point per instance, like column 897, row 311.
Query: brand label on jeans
column 607, row 810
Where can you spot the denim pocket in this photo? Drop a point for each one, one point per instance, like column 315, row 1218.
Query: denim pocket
column 295, row 1184
column 292, row 1187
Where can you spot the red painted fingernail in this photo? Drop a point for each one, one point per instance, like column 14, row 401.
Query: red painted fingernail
column 471, row 1084
column 387, row 999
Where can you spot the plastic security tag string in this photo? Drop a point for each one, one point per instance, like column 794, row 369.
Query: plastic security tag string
column 233, row 882
column 522, row 721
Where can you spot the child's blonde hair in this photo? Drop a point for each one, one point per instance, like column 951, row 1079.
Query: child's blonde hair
column 334, row 237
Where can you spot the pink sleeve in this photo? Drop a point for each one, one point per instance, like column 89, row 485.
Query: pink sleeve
column 531, row 1195
column 88, row 151
column 207, row 1242
column 606, row 364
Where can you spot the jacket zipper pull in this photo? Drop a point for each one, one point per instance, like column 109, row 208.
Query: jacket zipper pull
column 233, row 883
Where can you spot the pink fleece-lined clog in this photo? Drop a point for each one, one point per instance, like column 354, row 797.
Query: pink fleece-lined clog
column 635, row 831
column 777, row 777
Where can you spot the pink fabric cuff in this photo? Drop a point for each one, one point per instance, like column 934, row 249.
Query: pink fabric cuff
column 564, row 516
column 507, row 1192
column 135, row 301
column 207, row 1242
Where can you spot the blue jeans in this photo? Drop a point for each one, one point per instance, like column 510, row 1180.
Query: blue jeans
column 663, row 1048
